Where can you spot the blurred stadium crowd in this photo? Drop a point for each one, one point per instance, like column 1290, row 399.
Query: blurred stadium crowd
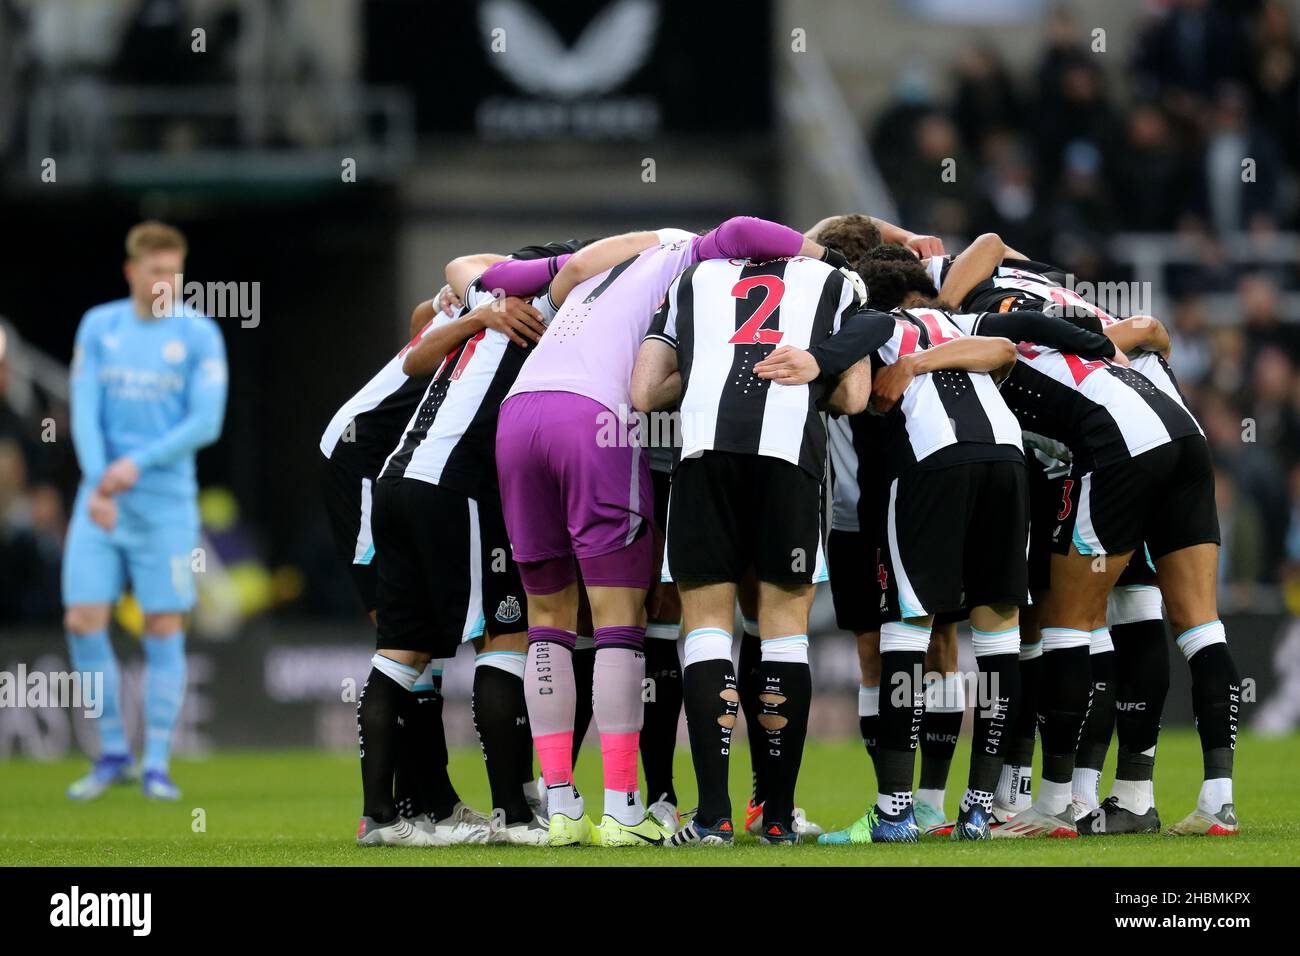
column 1060, row 160
column 1069, row 154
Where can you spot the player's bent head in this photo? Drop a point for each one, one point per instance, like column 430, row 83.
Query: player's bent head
column 892, row 252
column 896, row 284
column 155, row 252
column 853, row 236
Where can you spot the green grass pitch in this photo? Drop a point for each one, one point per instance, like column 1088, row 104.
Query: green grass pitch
column 301, row 808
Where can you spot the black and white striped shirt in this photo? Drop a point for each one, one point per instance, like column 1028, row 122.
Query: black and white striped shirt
column 363, row 432
column 856, row 443
column 724, row 316
column 1156, row 369
column 1005, row 286
column 946, row 408
column 1031, row 285
column 1104, row 412
column 450, row 439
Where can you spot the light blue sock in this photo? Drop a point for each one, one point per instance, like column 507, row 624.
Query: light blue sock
column 164, row 690
column 92, row 653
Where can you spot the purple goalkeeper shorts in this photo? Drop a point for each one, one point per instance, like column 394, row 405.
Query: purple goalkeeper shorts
column 574, row 484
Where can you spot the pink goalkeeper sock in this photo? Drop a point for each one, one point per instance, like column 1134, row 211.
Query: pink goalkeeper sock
column 551, row 694
column 555, row 753
column 618, row 756
column 617, row 709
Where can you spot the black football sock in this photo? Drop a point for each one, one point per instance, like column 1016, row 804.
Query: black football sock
column 945, row 706
column 406, row 795
column 1063, row 706
column 712, row 703
column 785, row 695
column 869, row 722
column 902, row 705
column 995, row 711
column 1100, row 723
column 501, row 719
column 750, row 684
column 663, row 708
column 1141, row 685
column 584, row 669
column 1024, row 723
column 1015, row 783
column 406, row 775
column 426, row 748
column 378, row 708
column 1216, row 703
column 869, row 728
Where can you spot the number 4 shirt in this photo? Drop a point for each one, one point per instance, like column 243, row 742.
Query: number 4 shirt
column 723, row 316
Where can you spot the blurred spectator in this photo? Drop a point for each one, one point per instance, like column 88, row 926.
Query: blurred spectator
column 937, row 188
column 1275, row 77
column 1233, row 201
column 1191, row 343
column 1226, row 374
column 1151, row 173
column 1009, row 200
column 1082, row 113
column 31, row 419
column 1242, row 556
column 155, row 45
column 30, row 543
column 1254, row 467
column 986, row 99
column 14, row 427
column 1063, row 47
column 1260, row 305
column 1191, row 50
column 1210, row 268
column 1083, row 208
column 895, row 127
column 1272, row 404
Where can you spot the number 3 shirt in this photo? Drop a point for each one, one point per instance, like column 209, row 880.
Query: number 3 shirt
column 724, row 316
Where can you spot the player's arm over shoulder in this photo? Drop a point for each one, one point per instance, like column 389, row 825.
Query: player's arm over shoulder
column 463, row 270
column 1140, row 333
column 972, row 266
column 599, row 256
column 852, row 392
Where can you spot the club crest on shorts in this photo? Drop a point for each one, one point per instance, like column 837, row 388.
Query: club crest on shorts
column 508, row 611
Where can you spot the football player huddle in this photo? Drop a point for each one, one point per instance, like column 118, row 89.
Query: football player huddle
column 996, row 450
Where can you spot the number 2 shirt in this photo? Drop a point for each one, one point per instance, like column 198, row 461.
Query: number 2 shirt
column 724, row 316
